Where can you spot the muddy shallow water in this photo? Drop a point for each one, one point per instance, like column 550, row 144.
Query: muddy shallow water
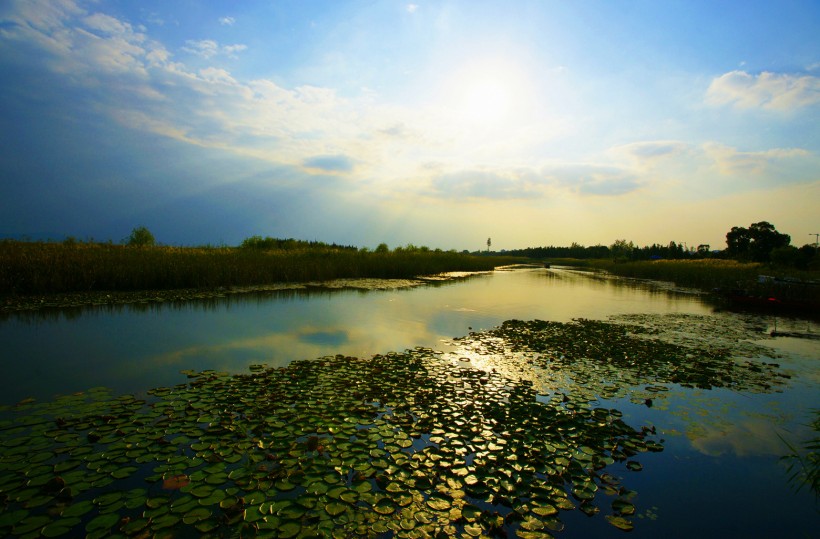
column 702, row 405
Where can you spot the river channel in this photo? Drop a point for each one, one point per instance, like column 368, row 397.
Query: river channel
column 720, row 472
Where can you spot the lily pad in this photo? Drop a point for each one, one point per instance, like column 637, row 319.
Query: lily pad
column 336, row 508
column 438, row 502
column 102, row 522
column 619, row 522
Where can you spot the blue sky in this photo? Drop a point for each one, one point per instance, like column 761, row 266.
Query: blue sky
column 433, row 123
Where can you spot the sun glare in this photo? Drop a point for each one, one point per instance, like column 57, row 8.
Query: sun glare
column 486, row 101
column 488, row 92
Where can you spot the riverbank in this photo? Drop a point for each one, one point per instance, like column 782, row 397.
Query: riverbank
column 728, row 280
column 35, row 302
column 61, row 273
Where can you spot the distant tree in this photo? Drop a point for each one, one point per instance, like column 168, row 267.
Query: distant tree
column 704, row 249
column 489, row 242
column 140, row 237
column 809, row 257
column 621, row 249
column 382, row 248
column 756, row 242
column 785, row 256
column 765, row 238
column 738, row 241
column 801, row 258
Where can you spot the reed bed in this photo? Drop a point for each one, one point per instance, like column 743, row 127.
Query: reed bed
column 46, row 268
column 724, row 275
column 704, row 273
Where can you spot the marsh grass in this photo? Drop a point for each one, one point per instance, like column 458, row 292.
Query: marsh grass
column 46, row 268
column 705, row 273
column 711, row 274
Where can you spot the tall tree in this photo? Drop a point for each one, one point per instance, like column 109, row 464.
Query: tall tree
column 756, row 242
column 737, row 242
column 766, row 238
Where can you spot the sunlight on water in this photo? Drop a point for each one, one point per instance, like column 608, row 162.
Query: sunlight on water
column 134, row 348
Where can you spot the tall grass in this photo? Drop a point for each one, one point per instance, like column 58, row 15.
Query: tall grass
column 44, row 268
column 705, row 273
column 709, row 274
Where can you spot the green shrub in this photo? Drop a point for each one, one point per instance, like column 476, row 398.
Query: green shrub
column 140, row 237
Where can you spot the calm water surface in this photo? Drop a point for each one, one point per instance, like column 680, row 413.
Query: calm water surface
column 131, row 349
column 718, row 476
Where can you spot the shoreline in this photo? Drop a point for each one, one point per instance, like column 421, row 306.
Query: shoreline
column 102, row 298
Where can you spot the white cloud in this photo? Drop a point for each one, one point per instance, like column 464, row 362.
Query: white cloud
column 216, row 75
column 648, row 154
column 231, row 50
column 227, row 21
column 731, row 161
column 136, row 80
column 205, row 47
column 770, row 91
column 208, row 48
column 107, row 24
column 412, row 8
column 525, row 182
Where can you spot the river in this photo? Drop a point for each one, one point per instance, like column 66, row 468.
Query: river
column 719, row 474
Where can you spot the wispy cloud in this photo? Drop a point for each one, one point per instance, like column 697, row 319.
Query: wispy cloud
column 208, row 48
column 651, row 150
column 190, row 94
column 770, row 91
column 486, row 184
column 731, row 161
column 330, row 163
column 527, row 183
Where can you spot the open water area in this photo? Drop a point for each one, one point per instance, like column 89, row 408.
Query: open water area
column 706, row 441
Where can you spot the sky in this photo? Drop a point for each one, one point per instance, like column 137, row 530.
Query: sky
column 441, row 123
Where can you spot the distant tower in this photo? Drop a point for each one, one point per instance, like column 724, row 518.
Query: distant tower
column 489, row 242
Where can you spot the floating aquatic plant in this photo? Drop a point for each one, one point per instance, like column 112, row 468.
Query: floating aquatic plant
column 399, row 442
column 406, row 444
column 607, row 360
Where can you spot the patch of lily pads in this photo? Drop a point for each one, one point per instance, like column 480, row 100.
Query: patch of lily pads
column 639, row 357
column 401, row 444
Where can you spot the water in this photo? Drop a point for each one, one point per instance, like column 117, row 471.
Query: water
column 718, row 476
column 134, row 348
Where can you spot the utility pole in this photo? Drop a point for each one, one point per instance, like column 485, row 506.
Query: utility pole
column 816, row 239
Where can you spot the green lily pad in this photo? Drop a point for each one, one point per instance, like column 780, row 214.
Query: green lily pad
column 153, row 503
column 124, row 472
column 102, row 522
column 438, row 503
column 384, row 506
column 135, row 526
column 289, row 529
column 619, row 522
column 165, row 521
column 30, row 524
column 623, row 507
column 11, row 518
column 336, row 508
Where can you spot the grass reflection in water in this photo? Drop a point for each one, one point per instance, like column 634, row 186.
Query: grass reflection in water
column 407, row 443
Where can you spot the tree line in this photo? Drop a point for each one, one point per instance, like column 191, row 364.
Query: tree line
column 760, row 242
